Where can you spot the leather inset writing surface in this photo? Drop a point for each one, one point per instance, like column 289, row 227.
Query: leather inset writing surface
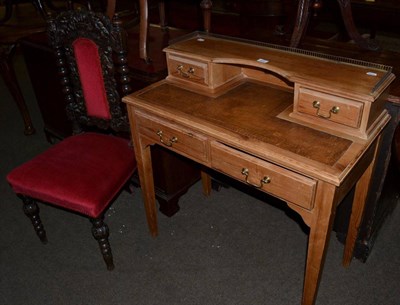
column 251, row 110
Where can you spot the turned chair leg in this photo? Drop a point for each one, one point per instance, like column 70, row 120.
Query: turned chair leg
column 31, row 210
column 100, row 233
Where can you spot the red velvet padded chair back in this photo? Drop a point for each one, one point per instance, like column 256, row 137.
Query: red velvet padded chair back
column 91, row 53
column 91, row 77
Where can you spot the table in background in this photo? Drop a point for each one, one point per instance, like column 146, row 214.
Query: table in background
column 16, row 26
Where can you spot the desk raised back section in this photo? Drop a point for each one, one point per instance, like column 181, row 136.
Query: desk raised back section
column 338, row 95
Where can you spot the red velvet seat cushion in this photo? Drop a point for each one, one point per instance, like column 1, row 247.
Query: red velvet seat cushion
column 83, row 173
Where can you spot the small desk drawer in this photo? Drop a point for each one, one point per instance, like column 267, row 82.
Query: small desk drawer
column 175, row 137
column 327, row 107
column 263, row 175
column 188, row 69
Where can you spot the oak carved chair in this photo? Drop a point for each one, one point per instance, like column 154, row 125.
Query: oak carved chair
column 86, row 171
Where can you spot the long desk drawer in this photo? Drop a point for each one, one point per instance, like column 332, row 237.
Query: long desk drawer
column 175, row 137
column 263, row 175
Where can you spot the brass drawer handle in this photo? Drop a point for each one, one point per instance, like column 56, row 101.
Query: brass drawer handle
column 170, row 141
column 187, row 74
column 265, row 180
column 334, row 110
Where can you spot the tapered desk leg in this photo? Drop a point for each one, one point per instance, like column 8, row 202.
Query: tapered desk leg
column 357, row 211
column 206, row 183
column 10, row 79
column 145, row 170
column 320, row 229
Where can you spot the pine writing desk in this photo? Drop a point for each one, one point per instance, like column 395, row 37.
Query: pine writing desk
column 298, row 125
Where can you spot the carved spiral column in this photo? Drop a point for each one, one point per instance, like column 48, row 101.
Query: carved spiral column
column 122, row 59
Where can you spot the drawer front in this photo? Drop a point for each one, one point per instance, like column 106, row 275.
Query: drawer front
column 175, row 137
column 327, row 107
column 263, row 175
column 188, row 69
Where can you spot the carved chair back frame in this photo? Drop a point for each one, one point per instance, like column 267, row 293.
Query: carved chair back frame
column 110, row 39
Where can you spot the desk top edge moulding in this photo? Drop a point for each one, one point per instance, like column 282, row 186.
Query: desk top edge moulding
column 300, row 126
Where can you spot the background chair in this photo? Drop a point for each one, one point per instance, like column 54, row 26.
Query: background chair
column 86, row 171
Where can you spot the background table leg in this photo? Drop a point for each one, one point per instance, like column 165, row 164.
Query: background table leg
column 301, row 23
column 144, row 28
column 206, row 6
column 10, row 79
